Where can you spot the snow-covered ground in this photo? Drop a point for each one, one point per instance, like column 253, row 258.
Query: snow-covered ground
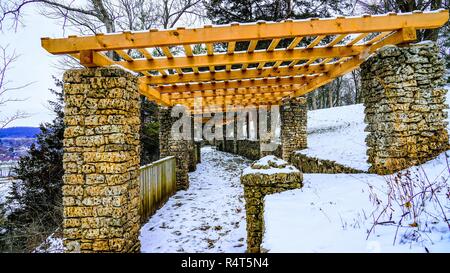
column 208, row 217
column 333, row 212
column 345, row 127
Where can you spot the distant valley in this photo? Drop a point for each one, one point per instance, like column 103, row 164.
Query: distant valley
column 15, row 142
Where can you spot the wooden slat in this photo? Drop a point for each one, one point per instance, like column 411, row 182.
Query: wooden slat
column 293, row 63
column 260, row 66
column 277, row 64
column 145, row 53
column 252, row 46
column 167, row 52
column 231, row 47
column 378, row 37
column 124, row 55
column 316, row 41
column 324, row 61
column 357, row 39
column 294, row 43
column 210, row 49
column 273, row 44
column 337, row 40
column 188, row 50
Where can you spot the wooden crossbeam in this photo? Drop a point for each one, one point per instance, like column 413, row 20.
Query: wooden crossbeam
column 247, row 32
column 192, row 87
column 153, row 94
column 237, row 74
column 242, row 58
column 233, row 98
column 224, row 107
column 258, row 91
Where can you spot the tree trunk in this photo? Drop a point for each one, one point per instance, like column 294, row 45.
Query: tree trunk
column 314, row 100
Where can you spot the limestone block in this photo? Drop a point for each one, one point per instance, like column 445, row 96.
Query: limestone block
column 404, row 106
column 265, row 176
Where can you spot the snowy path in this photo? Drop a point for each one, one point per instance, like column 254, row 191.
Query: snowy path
column 208, row 217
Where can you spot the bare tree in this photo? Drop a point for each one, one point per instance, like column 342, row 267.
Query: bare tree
column 94, row 16
column 6, row 60
column 356, row 77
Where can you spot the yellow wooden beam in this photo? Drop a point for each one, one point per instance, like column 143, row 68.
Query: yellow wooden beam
column 153, row 94
column 246, row 32
column 193, row 87
column 257, row 91
column 241, row 58
column 233, row 99
column 237, row 74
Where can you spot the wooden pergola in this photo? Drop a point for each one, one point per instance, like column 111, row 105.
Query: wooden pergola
column 245, row 64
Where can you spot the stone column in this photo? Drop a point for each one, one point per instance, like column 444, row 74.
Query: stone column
column 101, row 161
column 192, row 149
column 293, row 125
column 267, row 176
column 404, row 103
column 235, row 135
column 269, row 136
column 169, row 146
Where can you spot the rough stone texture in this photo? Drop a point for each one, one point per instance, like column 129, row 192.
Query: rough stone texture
column 229, row 146
column 268, row 138
column 259, row 184
column 220, row 144
column 198, row 146
column 293, row 125
column 307, row 164
column 101, row 161
column 192, row 149
column 249, row 149
column 168, row 146
column 405, row 101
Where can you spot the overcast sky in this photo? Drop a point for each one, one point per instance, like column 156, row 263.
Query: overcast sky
column 33, row 65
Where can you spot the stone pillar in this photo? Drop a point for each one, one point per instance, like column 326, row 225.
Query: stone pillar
column 192, row 149
column 168, row 146
column 235, row 135
column 404, row 103
column 101, row 161
column 198, row 147
column 266, row 176
column 293, row 125
column 267, row 138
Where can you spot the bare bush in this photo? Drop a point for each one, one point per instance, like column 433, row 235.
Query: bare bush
column 414, row 203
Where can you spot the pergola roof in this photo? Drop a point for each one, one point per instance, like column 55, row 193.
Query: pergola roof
column 275, row 60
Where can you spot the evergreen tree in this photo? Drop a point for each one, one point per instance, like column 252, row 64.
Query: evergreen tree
column 227, row 11
column 149, row 131
column 35, row 202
